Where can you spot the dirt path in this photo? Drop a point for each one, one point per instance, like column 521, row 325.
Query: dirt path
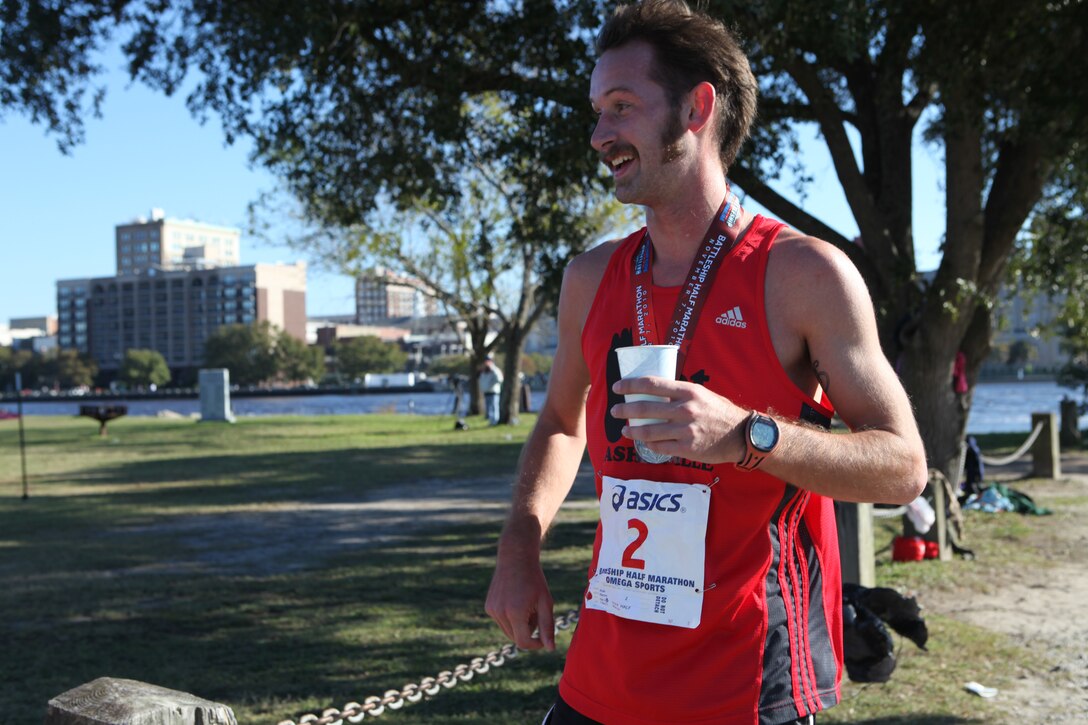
column 1044, row 609
column 262, row 539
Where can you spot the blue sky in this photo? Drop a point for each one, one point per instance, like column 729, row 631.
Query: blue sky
column 57, row 212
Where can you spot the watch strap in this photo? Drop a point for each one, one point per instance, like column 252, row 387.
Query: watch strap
column 753, row 456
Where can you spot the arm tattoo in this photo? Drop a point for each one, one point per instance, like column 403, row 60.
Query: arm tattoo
column 822, row 376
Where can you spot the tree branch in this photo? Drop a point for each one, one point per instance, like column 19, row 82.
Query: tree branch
column 785, row 209
column 1016, row 188
column 829, row 117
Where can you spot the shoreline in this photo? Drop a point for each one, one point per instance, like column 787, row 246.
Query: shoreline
column 194, row 393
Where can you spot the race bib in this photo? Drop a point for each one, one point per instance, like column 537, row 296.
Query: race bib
column 653, row 546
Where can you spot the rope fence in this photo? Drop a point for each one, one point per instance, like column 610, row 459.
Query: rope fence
column 413, row 692
column 1018, row 453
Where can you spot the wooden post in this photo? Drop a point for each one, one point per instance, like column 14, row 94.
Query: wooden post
column 109, row 701
column 1070, row 433
column 937, row 494
column 1046, row 459
column 856, row 555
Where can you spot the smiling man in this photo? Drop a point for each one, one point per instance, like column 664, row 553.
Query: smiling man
column 714, row 592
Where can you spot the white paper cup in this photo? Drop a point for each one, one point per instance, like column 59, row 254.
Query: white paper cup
column 642, row 361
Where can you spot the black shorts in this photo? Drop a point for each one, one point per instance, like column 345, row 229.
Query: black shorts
column 563, row 714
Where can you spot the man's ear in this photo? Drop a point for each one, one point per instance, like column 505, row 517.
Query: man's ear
column 701, row 101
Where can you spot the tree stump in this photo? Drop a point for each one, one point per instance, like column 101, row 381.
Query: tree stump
column 110, row 701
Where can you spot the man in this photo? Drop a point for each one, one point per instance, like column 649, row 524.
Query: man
column 491, row 384
column 714, row 593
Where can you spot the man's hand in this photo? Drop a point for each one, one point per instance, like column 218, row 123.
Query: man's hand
column 519, row 600
column 699, row 425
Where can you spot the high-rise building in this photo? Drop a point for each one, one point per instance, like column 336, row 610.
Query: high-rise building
column 382, row 295
column 171, row 298
column 158, row 242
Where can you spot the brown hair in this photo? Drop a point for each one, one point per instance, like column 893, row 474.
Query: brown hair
column 691, row 47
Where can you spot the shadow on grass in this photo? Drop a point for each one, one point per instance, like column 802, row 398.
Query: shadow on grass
column 369, row 621
column 917, row 719
column 349, row 467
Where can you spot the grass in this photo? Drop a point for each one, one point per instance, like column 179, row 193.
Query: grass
column 90, row 585
column 94, row 579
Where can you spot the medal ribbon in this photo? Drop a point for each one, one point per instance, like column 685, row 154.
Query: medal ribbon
column 717, row 242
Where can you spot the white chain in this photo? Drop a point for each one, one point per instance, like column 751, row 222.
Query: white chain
column 413, row 692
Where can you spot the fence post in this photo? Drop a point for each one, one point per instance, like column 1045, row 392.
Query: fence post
column 856, row 554
column 1046, row 459
column 1070, row 433
column 936, row 492
column 110, row 701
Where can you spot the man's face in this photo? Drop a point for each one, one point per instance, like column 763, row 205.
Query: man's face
column 639, row 134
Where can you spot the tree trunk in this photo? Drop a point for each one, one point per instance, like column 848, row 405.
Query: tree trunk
column 477, row 333
column 511, row 369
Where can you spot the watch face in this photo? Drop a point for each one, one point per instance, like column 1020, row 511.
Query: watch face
column 764, row 434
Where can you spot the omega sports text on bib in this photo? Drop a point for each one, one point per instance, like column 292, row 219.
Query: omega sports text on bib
column 653, row 547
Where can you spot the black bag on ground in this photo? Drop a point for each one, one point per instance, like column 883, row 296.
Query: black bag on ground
column 869, row 651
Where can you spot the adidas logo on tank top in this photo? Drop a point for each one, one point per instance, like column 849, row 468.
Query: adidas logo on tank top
column 732, row 318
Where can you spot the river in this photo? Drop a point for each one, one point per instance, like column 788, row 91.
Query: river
column 998, row 407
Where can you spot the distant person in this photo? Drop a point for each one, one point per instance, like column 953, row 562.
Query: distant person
column 526, row 399
column 491, row 386
column 714, row 592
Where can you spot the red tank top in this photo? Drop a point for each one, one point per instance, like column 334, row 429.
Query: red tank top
column 769, row 646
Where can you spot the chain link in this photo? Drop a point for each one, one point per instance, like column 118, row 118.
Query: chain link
column 373, row 706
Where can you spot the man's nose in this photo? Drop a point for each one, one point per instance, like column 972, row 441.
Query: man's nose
column 602, row 134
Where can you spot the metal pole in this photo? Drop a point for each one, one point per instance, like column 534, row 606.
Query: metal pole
column 22, row 436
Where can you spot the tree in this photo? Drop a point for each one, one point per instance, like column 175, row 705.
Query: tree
column 358, row 356
column 492, row 251
column 247, row 351
column 11, row 362
column 450, row 365
column 355, row 100
column 259, row 353
column 64, row 369
column 1005, row 121
column 296, row 361
column 1052, row 259
column 143, row 368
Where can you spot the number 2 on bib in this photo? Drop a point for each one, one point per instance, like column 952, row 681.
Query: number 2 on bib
column 641, row 532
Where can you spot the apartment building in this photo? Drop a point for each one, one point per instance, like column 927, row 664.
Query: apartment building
column 159, row 242
column 172, row 301
column 381, row 295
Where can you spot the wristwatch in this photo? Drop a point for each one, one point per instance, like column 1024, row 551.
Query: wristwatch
column 760, row 439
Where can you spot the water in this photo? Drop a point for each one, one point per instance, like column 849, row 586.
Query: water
column 422, row 403
column 998, row 407
column 1007, row 407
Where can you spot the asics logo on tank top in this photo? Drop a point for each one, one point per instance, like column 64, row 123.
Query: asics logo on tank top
column 732, row 318
column 636, row 500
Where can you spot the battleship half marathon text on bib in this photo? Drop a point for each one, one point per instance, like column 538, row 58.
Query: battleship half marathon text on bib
column 653, row 547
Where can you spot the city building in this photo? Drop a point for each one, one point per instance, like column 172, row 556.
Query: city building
column 1024, row 338
column 158, row 242
column 381, row 295
column 44, row 324
column 173, row 302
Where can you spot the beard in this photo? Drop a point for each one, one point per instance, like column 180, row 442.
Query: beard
column 671, row 134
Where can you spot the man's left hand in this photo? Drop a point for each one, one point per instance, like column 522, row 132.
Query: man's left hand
column 699, row 425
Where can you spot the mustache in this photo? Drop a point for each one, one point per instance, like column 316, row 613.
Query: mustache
column 616, row 150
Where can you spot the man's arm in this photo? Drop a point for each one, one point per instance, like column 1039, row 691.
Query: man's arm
column 822, row 323
column 519, row 599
